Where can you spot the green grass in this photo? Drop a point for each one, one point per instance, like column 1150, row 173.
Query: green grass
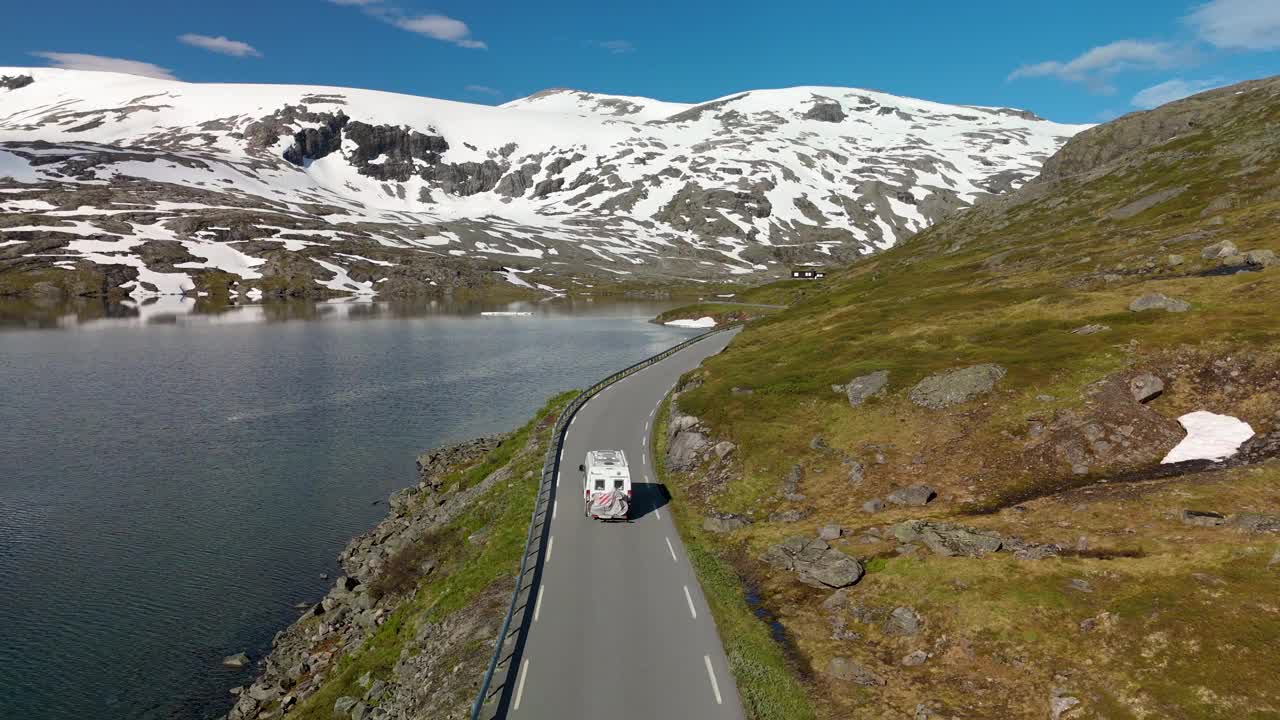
column 466, row 569
column 1005, row 282
column 767, row 683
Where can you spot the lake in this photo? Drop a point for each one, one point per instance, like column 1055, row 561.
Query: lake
column 171, row 483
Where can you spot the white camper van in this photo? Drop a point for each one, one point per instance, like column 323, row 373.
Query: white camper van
column 606, row 485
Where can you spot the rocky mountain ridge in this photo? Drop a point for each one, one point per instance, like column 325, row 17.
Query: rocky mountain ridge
column 117, row 183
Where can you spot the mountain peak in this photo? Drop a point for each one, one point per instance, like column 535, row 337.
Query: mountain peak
column 572, row 182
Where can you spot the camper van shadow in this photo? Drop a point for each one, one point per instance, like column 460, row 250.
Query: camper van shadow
column 647, row 497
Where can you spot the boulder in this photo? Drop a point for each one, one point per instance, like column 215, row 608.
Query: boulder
column 788, row 516
column 723, row 449
column 791, row 483
column 1256, row 522
column 1175, row 260
column 816, row 562
column 1222, row 249
column 1203, row 518
column 902, row 622
column 1260, row 258
column 862, row 389
column 949, row 540
column 856, row 471
column 721, row 524
column 830, row 532
column 846, row 669
column 1145, row 387
column 1090, row 329
column 915, row 495
column 915, row 658
column 1060, row 705
column 956, row 386
column 239, row 660
column 260, row 692
column 1158, row 301
column 874, row 505
column 683, row 451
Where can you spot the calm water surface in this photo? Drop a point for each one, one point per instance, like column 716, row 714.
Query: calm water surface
column 171, row 484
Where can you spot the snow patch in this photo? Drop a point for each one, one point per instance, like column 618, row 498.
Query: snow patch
column 1209, row 437
column 702, row 322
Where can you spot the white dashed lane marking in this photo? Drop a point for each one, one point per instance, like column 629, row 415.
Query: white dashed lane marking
column 689, row 597
column 673, row 551
column 524, row 674
column 711, row 673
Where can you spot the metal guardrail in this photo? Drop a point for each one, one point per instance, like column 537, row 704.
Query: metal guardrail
column 551, row 466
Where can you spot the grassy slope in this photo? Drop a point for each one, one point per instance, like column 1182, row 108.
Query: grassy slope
column 766, row 680
column 1005, row 283
column 467, row 570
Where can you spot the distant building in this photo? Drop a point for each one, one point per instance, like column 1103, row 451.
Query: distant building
column 807, row 274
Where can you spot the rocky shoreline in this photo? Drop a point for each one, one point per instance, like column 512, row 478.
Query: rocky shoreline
column 382, row 567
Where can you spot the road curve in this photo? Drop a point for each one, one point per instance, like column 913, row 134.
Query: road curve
column 620, row 629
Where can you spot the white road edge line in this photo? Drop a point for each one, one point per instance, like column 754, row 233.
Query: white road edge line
column 551, row 545
column 655, row 512
column 537, row 606
column 644, row 441
column 689, row 597
column 644, row 459
column 555, row 505
column 524, row 674
column 673, row 552
column 711, row 673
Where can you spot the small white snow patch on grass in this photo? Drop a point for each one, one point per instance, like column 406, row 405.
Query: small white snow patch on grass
column 702, row 322
column 1209, row 437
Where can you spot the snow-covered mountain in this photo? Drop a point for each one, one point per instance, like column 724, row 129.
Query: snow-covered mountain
column 175, row 185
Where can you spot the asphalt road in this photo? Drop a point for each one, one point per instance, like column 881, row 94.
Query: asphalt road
column 620, row 628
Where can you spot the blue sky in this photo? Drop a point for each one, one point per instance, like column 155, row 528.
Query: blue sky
column 1079, row 61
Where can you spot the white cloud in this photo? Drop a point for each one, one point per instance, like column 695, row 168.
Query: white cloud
column 81, row 61
column 617, row 47
column 1170, row 90
column 436, row 27
column 483, row 90
column 440, row 27
column 1097, row 64
column 221, row 45
column 1238, row 24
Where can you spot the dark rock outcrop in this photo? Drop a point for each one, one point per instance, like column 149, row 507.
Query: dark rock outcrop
column 398, row 149
column 1112, row 431
column 13, row 82
column 825, row 112
column 315, row 143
